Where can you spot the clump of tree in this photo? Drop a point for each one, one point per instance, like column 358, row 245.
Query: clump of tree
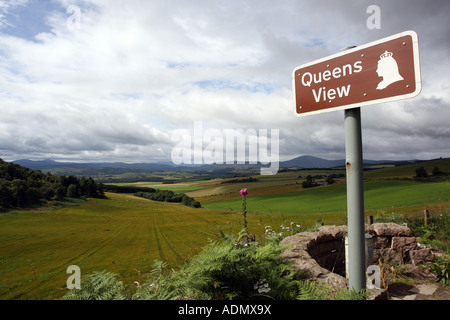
column 250, row 179
column 169, row 196
column 309, row 182
column 21, row 186
column 127, row 189
column 421, row 172
column 438, row 172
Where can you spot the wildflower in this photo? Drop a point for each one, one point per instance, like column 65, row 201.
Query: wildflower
column 262, row 286
column 244, row 193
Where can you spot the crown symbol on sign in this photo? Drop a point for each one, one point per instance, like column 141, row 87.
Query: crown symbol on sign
column 386, row 54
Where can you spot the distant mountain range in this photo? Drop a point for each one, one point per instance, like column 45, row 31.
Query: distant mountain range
column 51, row 164
column 299, row 162
column 309, row 162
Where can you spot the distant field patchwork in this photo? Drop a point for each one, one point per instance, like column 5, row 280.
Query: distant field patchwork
column 333, row 198
column 125, row 234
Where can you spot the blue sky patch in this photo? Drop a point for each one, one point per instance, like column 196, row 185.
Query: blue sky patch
column 26, row 21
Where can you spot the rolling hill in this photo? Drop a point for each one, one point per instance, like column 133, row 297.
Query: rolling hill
column 306, row 161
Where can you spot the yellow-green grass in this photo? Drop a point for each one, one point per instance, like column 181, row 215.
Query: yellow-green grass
column 184, row 187
column 206, row 191
column 122, row 234
column 280, row 183
column 233, row 192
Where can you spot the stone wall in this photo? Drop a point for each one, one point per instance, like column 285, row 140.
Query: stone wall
column 317, row 254
column 312, row 252
column 395, row 243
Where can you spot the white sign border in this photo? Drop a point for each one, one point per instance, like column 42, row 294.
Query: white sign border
column 417, row 75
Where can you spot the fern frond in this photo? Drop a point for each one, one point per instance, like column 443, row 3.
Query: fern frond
column 157, row 267
column 98, row 286
column 350, row 295
column 310, row 290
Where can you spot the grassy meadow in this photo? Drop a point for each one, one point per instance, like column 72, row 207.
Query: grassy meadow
column 124, row 234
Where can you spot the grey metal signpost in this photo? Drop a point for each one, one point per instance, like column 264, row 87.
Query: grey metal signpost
column 355, row 199
column 377, row 72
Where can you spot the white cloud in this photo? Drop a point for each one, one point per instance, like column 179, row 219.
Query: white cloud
column 136, row 70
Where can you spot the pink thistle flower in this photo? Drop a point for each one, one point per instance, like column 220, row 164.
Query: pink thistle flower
column 244, row 192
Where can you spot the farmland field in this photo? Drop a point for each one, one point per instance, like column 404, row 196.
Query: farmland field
column 122, row 234
column 408, row 171
column 377, row 195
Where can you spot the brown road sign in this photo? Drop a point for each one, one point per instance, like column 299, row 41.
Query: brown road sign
column 380, row 71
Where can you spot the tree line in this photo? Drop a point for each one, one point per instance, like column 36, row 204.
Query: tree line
column 421, row 172
column 21, row 186
column 169, row 196
column 154, row 194
column 310, row 180
column 250, row 179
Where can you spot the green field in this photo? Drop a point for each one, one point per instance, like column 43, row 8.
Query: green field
column 377, row 195
column 409, row 170
column 122, row 234
column 125, row 234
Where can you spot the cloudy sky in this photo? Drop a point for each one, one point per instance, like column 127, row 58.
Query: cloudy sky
column 112, row 80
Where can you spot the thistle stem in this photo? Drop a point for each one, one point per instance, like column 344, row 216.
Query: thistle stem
column 244, row 212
